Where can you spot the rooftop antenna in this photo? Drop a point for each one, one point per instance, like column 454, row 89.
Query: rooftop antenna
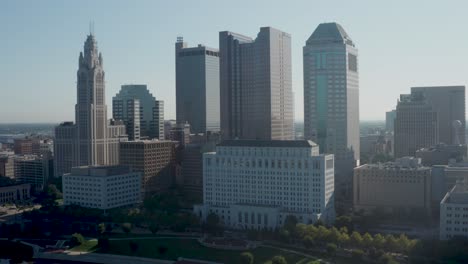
column 91, row 27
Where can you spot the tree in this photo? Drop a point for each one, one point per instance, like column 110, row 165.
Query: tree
column 343, row 239
column 102, row 228
column 77, row 239
column 344, row 221
column 357, row 254
column 126, row 227
column 284, row 235
column 379, row 241
column 212, row 223
column 403, row 243
column 390, row 243
column 290, row 223
column 334, row 235
column 367, row 240
column 308, row 242
column 278, row 260
column 246, row 258
column 356, row 239
column 331, row 249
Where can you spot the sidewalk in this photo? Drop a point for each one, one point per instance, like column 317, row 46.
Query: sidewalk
column 99, row 258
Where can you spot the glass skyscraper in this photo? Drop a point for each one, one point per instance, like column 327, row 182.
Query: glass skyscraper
column 197, row 87
column 331, row 97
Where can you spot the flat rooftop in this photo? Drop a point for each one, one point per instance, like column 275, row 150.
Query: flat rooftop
column 268, row 143
column 99, row 170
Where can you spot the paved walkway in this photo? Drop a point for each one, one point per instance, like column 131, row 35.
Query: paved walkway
column 99, row 258
column 298, row 253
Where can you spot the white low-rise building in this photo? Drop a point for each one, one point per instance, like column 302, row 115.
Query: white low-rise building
column 454, row 213
column 257, row 184
column 102, row 187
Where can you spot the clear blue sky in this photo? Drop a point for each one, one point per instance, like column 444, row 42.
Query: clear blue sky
column 401, row 44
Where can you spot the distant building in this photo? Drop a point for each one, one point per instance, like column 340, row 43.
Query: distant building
column 34, row 170
column 14, row 193
column 150, row 112
column 181, row 134
column 155, row 159
column 191, row 178
column 442, row 154
column 129, row 112
column 428, row 116
column 168, row 126
column 390, row 120
column 403, row 184
column 23, row 146
column 449, row 103
column 257, row 184
column 93, row 140
column 7, row 168
column 416, row 125
column 454, row 213
column 102, row 187
column 64, row 148
column 197, row 87
column 331, row 100
column 256, row 85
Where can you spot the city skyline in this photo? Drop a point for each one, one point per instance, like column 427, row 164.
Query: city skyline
column 49, row 68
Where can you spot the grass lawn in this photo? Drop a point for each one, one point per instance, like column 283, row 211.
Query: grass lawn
column 190, row 248
column 89, row 246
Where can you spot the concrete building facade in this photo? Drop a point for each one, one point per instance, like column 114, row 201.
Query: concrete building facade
column 256, row 86
column 454, row 213
column 257, row 184
column 403, row 184
column 102, row 187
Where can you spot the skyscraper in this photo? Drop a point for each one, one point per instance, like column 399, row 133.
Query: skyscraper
column 449, row 103
column 90, row 109
column 91, row 140
column 151, row 111
column 331, row 97
column 415, row 125
column 256, row 87
column 128, row 111
column 197, row 87
column 390, row 120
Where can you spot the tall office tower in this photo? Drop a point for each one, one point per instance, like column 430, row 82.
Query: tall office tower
column 151, row 110
column 91, row 141
column 128, row 111
column 449, row 103
column 257, row 184
column 197, row 87
column 416, row 125
column 390, row 120
column 90, row 109
column 255, row 85
column 331, row 98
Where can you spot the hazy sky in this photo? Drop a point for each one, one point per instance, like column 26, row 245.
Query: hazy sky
column 401, row 44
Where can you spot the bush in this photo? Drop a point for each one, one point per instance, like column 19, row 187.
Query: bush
column 278, row 260
column 76, row 240
column 126, row 227
column 246, row 258
column 331, row 249
column 357, row 254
